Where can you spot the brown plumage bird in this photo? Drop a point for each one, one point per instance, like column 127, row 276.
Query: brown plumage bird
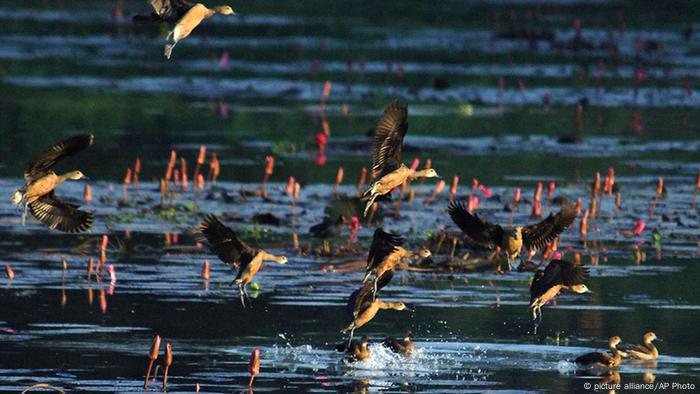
column 401, row 346
column 546, row 284
column 363, row 304
column 355, row 350
column 385, row 254
column 646, row 351
column 40, row 182
column 387, row 169
column 184, row 15
column 511, row 240
column 595, row 359
column 233, row 251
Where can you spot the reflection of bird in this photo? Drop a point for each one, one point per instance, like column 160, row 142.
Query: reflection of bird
column 362, row 306
column 512, row 240
column 41, row 180
column 355, row 350
column 647, row 351
column 401, row 346
column 547, row 283
column 601, row 359
column 384, row 254
column 233, row 251
column 387, row 169
column 328, row 228
column 184, row 15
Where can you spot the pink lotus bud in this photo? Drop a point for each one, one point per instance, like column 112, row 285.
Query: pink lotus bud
column 485, row 191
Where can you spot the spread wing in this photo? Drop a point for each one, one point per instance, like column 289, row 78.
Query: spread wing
column 536, row 236
column 169, row 9
column 362, row 298
column 388, row 138
column 42, row 164
column 557, row 272
column 60, row 215
column 223, row 241
column 478, row 232
column 383, row 244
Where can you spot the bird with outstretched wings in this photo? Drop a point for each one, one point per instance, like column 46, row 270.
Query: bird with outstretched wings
column 230, row 248
column 557, row 272
column 388, row 139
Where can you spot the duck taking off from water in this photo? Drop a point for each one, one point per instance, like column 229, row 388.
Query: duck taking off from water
column 558, row 275
column 511, row 240
column 384, row 254
column 363, row 304
column 41, row 180
column 184, row 15
column 388, row 171
column 647, row 351
column 598, row 359
column 233, row 251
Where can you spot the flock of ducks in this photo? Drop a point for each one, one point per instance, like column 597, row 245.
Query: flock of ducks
column 386, row 250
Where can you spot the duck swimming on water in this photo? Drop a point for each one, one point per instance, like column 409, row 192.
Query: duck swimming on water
column 41, row 180
column 598, row 359
column 363, row 306
column 387, row 169
column 558, row 275
column 355, row 350
column 647, row 351
column 385, row 254
column 184, row 15
column 401, row 346
column 511, row 240
column 233, row 251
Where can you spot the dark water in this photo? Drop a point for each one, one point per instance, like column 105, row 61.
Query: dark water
column 69, row 66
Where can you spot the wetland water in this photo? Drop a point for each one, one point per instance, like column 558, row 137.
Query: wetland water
column 69, row 66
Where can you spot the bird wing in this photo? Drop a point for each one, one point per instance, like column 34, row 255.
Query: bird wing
column 478, row 232
column 60, row 215
column 569, row 273
column 383, row 244
column 537, row 235
column 388, row 138
column 538, row 286
column 633, row 348
column 42, row 164
column 362, row 298
column 223, row 241
column 557, row 272
column 169, row 9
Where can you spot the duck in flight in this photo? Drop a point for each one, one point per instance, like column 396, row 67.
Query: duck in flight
column 511, row 240
column 387, row 169
column 598, row 359
column 231, row 249
column 183, row 15
column 385, row 254
column 40, row 182
column 363, row 304
column 558, row 275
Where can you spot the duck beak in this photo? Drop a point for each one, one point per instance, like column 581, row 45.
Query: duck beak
column 659, row 339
